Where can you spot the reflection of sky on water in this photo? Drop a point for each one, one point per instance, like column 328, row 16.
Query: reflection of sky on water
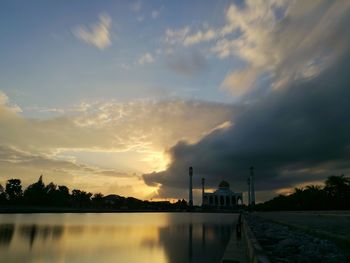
column 144, row 237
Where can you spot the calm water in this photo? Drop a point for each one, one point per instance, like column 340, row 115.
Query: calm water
column 121, row 237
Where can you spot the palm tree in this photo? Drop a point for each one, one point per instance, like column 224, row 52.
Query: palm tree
column 313, row 188
column 338, row 189
column 336, row 185
column 298, row 197
column 314, row 197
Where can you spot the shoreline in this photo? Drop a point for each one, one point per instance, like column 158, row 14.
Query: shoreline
column 55, row 210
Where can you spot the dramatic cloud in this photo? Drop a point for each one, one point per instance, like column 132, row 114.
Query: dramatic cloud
column 98, row 35
column 146, row 58
column 73, row 146
column 286, row 40
column 114, row 126
column 284, row 62
column 292, row 135
column 239, row 80
column 295, row 135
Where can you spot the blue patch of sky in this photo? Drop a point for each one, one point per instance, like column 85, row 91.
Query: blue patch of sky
column 43, row 64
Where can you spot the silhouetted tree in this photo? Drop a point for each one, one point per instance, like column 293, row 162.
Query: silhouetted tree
column 334, row 195
column 2, row 195
column 181, row 204
column 314, row 197
column 81, row 198
column 50, row 188
column 51, row 194
column 338, row 189
column 97, row 200
column 297, row 198
column 35, row 194
column 14, row 190
column 63, row 195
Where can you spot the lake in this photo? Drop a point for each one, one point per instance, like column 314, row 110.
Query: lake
column 115, row 237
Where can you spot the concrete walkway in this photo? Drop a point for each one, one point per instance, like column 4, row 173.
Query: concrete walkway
column 235, row 251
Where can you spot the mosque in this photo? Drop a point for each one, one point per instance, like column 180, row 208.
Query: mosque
column 223, row 197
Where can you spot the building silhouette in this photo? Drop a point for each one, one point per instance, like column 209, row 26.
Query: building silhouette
column 251, row 189
column 223, row 197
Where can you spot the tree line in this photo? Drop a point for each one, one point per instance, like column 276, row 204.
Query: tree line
column 51, row 195
column 333, row 195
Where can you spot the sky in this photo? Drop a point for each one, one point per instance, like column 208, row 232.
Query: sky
column 123, row 96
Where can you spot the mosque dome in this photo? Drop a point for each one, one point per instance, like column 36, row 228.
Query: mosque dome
column 224, row 184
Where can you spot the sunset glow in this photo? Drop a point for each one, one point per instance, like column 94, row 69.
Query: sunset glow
column 121, row 97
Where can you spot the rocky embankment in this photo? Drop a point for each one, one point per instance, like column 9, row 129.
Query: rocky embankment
column 285, row 244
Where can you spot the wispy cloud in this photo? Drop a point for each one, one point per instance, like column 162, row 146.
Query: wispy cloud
column 268, row 38
column 71, row 173
column 173, row 36
column 111, row 126
column 5, row 102
column 184, row 36
column 146, row 58
column 108, row 130
column 237, row 81
column 98, row 34
column 199, row 36
column 273, row 42
column 136, row 6
column 155, row 14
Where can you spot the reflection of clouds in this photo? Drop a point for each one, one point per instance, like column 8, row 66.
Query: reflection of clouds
column 6, row 234
column 171, row 237
column 195, row 242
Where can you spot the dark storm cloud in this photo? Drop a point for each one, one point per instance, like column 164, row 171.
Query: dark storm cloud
column 297, row 134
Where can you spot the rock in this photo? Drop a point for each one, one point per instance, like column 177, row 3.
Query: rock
column 284, row 244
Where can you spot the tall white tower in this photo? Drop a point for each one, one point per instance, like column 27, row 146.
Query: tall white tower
column 190, row 199
column 252, row 190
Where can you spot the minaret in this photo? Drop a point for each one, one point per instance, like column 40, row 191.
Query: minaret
column 203, row 181
column 252, row 191
column 248, row 181
column 190, row 201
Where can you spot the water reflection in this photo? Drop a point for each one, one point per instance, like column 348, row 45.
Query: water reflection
column 198, row 243
column 6, row 234
column 116, row 238
column 33, row 232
